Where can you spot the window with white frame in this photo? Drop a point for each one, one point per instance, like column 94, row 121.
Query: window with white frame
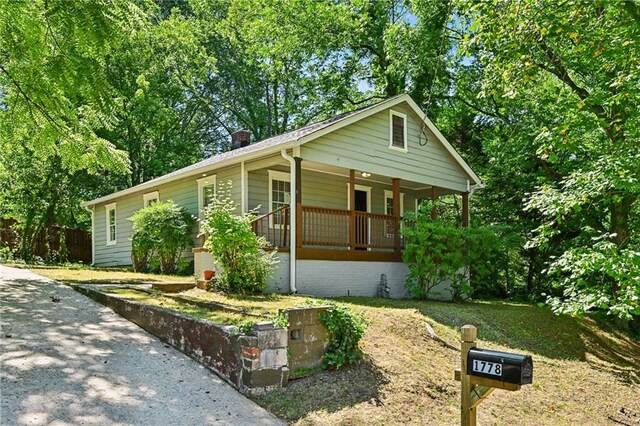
column 206, row 193
column 279, row 194
column 388, row 202
column 388, row 209
column 111, row 224
column 150, row 198
column 397, row 131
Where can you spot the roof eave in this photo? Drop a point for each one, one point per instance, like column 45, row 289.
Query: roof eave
column 164, row 179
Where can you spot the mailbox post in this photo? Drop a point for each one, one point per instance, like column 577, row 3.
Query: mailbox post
column 483, row 371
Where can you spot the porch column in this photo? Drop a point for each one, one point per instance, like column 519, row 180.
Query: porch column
column 395, row 183
column 298, row 206
column 465, row 209
column 434, row 196
column 352, row 209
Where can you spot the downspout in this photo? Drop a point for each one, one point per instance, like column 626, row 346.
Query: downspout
column 292, row 226
column 92, row 210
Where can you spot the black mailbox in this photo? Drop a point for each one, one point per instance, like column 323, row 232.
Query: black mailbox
column 502, row 366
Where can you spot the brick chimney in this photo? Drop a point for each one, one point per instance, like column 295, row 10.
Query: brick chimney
column 240, row 139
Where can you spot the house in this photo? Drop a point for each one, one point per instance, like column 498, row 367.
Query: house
column 330, row 196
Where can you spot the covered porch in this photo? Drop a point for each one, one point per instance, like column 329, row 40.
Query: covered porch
column 367, row 229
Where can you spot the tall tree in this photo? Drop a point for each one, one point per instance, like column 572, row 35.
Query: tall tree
column 566, row 76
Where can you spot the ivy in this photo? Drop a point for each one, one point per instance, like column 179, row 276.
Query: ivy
column 346, row 327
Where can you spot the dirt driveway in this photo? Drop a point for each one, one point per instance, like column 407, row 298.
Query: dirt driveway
column 66, row 360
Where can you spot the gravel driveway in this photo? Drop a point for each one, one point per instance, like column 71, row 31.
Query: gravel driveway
column 66, row 360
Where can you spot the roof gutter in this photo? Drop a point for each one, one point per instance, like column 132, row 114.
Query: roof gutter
column 292, row 227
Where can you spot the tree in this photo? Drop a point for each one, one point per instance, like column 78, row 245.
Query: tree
column 566, row 75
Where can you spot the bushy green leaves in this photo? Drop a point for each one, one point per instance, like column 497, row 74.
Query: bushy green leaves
column 161, row 230
column 239, row 252
column 440, row 253
column 346, row 327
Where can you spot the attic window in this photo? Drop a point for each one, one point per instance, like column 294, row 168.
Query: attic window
column 398, row 131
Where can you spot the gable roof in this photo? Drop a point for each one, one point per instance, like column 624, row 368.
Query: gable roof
column 295, row 137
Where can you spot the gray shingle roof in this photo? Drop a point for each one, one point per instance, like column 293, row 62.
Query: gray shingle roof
column 273, row 141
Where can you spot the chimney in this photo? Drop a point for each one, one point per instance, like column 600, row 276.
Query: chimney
column 240, row 139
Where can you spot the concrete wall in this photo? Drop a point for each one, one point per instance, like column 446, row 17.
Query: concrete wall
column 326, row 278
column 252, row 363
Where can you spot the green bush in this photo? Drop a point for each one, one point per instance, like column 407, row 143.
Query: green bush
column 437, row 252
column 161, row 232
column 345, row 328
column 239, row 252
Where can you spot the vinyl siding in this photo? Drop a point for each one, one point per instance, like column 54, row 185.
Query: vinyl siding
column 183, row 192
column 364, row 145
column 324, row 190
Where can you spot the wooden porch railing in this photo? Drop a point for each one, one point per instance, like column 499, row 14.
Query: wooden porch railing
column 326, row 227
column 274, row 227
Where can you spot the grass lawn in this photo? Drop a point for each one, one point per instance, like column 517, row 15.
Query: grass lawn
column 88, row 275
column 156, row 298
column 586, row 372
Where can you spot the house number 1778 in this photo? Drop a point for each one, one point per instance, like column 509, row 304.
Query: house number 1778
column 487, row 367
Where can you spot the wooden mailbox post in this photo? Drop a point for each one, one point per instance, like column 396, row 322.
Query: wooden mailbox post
column 483, row 371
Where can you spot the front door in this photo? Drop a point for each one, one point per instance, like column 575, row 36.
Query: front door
column 362, row 223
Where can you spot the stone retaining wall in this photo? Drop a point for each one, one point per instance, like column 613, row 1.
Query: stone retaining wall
column 251, row 363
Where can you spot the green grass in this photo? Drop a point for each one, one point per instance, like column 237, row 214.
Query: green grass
column 155, row 298
column 88, row 275
column 584, row 369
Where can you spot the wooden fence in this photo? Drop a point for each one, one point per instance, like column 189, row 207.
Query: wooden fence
column 73, row 245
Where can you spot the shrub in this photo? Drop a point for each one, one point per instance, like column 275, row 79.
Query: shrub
column 345, row 328
column 436, row 252
column 161, row 231
column 236, row 249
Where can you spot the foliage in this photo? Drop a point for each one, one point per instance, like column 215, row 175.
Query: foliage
column 280, row 319
column 346, row 327
column 163, row 231
column 235, row 248
column 565, row 76
column 437, row 252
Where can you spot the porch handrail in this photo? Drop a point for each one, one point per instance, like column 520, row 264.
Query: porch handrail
column 273, row 226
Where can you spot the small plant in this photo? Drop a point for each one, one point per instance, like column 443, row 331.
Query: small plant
column 346, row 327
column 281, row 319
column 239, row 253
column 161, row 232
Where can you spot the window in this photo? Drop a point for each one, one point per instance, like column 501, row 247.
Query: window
column 279, row 194
column 397, row 131
column 388, row 209
column 388, row 202
column 206, row 193
column 150, row 198
column 111, row 223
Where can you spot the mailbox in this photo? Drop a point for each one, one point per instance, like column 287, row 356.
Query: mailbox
column 502, row 366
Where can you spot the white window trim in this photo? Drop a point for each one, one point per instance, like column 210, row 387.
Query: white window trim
column 202, row 182
column 281, row 176
column 406, row 125
column 389, row 195
column 108, row 209
column 147, row 198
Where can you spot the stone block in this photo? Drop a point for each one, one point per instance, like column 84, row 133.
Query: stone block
column 262, row 326
column 273, row 358
column 272, row 339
